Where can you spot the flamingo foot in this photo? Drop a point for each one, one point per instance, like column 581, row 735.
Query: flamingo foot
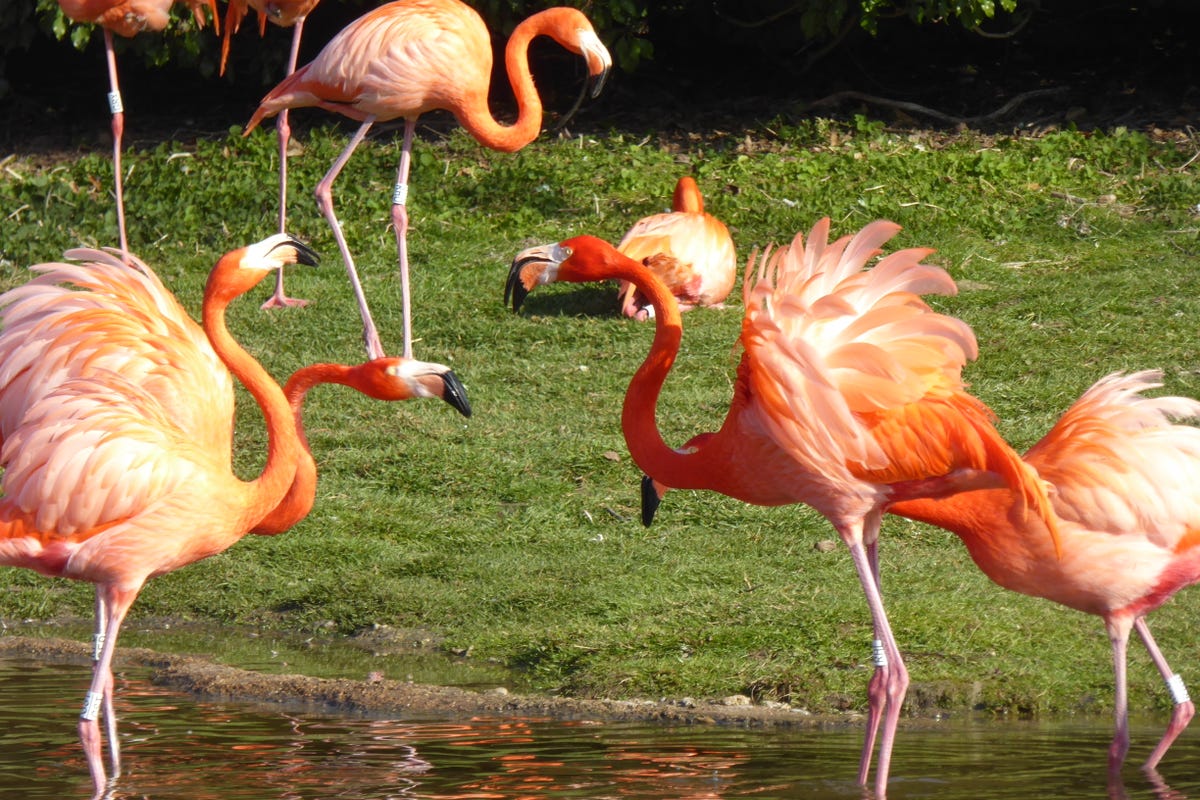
column 283, row 301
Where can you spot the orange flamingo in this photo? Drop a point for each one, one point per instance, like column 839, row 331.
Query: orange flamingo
column 1123, row 486
column 409, row 57
column 382, row 379
column 285, row 14
column 115, row 417
column 126, row 18
column 848, row 397
column 689, row 250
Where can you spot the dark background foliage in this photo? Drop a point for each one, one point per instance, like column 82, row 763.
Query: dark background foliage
column 690, row 63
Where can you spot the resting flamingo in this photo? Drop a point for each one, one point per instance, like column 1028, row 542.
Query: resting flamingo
column 388, row 378
column 689, row 249
column 285, row 14
column 115, row 416
column 126, row 18
column 409, row 57
column 1123, row 484
column 848, row 397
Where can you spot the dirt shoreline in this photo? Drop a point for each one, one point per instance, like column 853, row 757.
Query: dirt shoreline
column 203, row 678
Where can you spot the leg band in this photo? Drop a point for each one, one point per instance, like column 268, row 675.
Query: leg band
column 91, row 706
column 1179, row 692
column 878, row 654
column 400, row 194
column 114, row 103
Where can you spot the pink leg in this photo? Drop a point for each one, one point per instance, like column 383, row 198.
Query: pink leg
column 895, row 681
column 110, row 717
column 325, row 204
column 118, row 131
column 116, row 603
column 284, row 133
column 1118, row 635
column 877, row 686
column 400, row 224
column 1184, row 709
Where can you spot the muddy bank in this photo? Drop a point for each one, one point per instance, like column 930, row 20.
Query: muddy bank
column 380, row 696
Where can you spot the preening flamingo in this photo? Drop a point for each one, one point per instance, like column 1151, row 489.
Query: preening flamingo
column 689, row 250
column 115, row 416
column 848, row 397
column 382, row 379
column 1123, row 484
column 285, row 14
column 126, row 18
column 409, row 57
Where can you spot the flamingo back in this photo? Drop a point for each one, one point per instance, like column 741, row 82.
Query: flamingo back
column 125, row 18
column 399, row 60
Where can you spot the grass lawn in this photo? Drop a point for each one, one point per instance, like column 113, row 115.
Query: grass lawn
column 515, row 533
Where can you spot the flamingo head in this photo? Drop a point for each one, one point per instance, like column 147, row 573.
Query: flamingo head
column 392, row 378
column 239, row 271
column 571, row 29
column 582, row 259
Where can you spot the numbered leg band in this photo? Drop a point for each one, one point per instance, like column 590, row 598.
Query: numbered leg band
column 1179, row 692
column 97, row 646
column 878, row 654
column 400, row 194
column 91, row 706
column 114, row 103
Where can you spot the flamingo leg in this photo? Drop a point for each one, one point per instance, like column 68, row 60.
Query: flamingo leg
column 400, row 224
column 1118, row 635
column 877, row 686
column 1184, row 709
column 284, row 133
column 324, row 195
column 110, row 718
column 118, row 131
column 116, row 603
column 895, row 680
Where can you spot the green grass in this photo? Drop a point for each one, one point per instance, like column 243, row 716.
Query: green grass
column 515, row 533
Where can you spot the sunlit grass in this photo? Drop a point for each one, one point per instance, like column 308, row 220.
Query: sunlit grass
column 516, row 533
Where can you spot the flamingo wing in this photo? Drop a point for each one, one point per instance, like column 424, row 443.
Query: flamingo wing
column 693, row 254
column 1119, row 463
column 102, row 315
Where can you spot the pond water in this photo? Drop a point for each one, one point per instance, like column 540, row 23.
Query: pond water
column 175, row 746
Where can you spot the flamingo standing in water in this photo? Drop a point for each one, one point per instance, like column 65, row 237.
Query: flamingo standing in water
column 849, row 397
column 126, row 18
column 409, row 57
column 689, row 250
column 1123, row 484
column 116, row 418
column 285, row 14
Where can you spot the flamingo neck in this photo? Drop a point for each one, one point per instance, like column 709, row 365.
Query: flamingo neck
column 303, row 492
column 283, row 445
column 638, row 415
column 477, row 118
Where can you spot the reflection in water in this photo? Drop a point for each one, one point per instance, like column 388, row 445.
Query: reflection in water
column 177, row 747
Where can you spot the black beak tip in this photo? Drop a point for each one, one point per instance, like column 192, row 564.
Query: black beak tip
column 304, row 254
column 650, row 500
column 515, row 290
column 456, row 394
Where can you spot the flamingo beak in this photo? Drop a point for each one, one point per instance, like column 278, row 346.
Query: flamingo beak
column 651, row 498
column 598, row 59
column 532, row 267
column 455, row 393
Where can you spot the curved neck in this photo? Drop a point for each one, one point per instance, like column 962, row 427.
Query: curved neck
column 477, row 118
column 283, row 446
column 639, row 413
column 303, row 492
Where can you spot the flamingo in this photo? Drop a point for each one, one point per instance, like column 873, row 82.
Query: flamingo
column 848, row 397
column 688, row 249
column 115, row 418
column 388, row 378
column 1123, row 484
column 409, row 57
column 126, row 18
column 285, row 14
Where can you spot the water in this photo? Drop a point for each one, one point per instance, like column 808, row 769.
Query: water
column 175, row 746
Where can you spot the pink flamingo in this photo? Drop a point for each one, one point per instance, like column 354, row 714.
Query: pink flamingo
column 285, row 14
column 126, row 18
column 1123, row 484
column 849, row 398
column 409, row 57
column 689, row 249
